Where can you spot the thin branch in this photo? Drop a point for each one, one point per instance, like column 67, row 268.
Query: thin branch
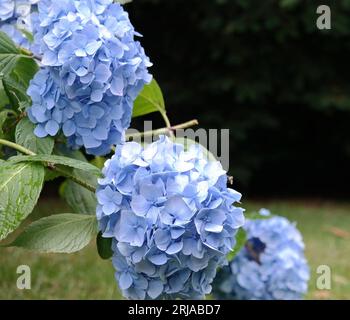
column 49, row 165
column 29, row 54
column 17, row 147
column 26, row 52
column 163, row 130
column 74, row 178
column 167, row 123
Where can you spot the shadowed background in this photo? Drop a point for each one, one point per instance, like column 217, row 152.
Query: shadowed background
column 265, row 71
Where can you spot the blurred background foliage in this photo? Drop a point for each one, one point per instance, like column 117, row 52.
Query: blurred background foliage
column 264, row 70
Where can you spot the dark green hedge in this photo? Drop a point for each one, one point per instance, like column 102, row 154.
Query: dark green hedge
column 262, row 69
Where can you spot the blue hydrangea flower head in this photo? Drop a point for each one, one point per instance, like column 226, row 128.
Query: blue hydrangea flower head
column 271, row 266
column 93, row 66
column 171, row 217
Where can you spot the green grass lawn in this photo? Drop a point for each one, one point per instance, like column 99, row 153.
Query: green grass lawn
column 325, row 227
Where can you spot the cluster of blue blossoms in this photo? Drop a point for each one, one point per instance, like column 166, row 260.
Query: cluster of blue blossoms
column 271, row 266
column 92, row 71
column 171, row 217
column 15, row 19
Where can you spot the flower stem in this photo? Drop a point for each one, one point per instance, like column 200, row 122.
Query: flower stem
column 28, row 54
column 49, row 165
column 17, row 147
column 170, row 130
column 74, row 179
column 163, row 130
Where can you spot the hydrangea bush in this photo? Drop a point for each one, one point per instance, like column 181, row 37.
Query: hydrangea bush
column 271, row 266
column 72, row 76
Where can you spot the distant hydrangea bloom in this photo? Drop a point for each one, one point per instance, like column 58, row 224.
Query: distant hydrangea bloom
column 93, row 70
column 271, row 266
column 171, row 216
column 14, row 17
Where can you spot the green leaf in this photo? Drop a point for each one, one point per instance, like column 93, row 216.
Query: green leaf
column 7, row 45
column 59, row 233
column 98, row 162
column 16, row 92
column 78, row 198
column 17, row 81
column 4, row 100
column 16, row 70
column 25, row 137
column 3, row 118
column 9, row 54
column 24, row 71
column 20, row 187
column 64, row 151
column 51, row 174
column 149, row 100
column 53, row 159
column 104, row 246
column 241, row 238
